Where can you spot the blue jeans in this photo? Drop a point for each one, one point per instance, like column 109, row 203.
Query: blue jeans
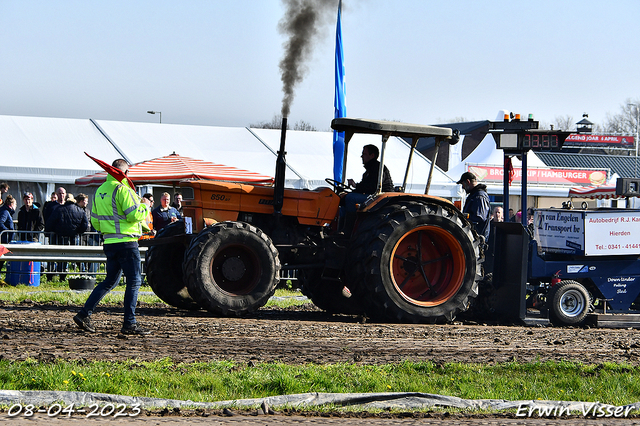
column 119, row 260
column 352, row 199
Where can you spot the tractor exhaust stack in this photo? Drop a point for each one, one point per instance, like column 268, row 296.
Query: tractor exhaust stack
column 281, row 168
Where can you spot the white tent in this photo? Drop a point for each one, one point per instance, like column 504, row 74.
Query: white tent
column 41, row 153
column 51, row 151
column 36, row 149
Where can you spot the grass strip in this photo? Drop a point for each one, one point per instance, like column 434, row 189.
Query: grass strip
column 59, row 292
column 216, row 381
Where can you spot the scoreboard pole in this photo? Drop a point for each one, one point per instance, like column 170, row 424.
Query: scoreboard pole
column 505, row 188
column 523, row 204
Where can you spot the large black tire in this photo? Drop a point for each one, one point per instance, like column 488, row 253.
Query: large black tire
column 232, row 268
column 568, row 303
column 419, row 262
column 327, row 294
column 164, row 270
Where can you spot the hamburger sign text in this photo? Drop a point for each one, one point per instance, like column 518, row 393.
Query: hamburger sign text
column 544, row 176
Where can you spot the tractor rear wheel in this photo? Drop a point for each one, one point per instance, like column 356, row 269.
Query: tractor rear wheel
column 164, row 269
column 232, row 268
column 419, row 262
column 568, row 303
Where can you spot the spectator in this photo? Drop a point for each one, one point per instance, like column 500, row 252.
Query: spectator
column 50, row 206
column 147, row 224
column 529, row 216
column 164, row 214
column 46, row 212
column 497, row 215
column 177, row 202
column 47, row 205
column 30, row 219
column 7, row 210
column 67, row 222
column 89, row 240
column 518, row 217
column 81, row 201
column 4, row 188
column 477, row 206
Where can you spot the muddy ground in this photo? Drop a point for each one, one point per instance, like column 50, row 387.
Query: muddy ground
column 296, row 335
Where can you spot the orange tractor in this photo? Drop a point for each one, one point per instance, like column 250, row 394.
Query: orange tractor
column 407, row 257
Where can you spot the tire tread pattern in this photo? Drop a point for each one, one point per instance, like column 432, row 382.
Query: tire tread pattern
column 373, row 234
column 207, row 293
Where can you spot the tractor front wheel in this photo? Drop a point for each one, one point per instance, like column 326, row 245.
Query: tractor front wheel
column 232, row 268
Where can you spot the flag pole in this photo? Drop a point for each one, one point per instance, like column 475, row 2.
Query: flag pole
column 339, row 103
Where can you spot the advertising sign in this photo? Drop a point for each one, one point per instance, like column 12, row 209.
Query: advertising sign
column 576, row 139
column 536, row 176
column 559, row 231
column 612, row 232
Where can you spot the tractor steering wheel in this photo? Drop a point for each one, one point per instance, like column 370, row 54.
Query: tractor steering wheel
column 339, row 186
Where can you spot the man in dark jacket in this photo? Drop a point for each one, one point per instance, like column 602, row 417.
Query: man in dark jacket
column 7, row 210
column 477, row 206
column 50, row 206
column 68, row 220
column 164, row 214
column 369, row 183
column 29, row 218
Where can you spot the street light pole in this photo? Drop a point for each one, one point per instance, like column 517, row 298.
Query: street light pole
column 160, row 112
column 635, row 174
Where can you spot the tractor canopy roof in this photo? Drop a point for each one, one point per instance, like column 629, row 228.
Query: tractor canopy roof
column 389, row 128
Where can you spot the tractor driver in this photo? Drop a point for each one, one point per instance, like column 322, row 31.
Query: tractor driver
column 369, row 182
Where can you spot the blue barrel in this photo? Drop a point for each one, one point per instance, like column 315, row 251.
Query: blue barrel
column 27, row 273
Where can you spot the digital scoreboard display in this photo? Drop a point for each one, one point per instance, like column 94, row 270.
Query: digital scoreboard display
column 541, row 142
column 519, row 136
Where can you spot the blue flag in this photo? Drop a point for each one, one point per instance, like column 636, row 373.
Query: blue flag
column 339, row 103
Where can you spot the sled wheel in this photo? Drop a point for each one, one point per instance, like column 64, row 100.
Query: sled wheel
column 327, row 294
column 232, row 268
column 420, row 262
column 164, row 270
column 568, row 303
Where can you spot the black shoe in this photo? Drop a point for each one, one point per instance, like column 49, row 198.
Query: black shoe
column 84, row 323
column 134, row 330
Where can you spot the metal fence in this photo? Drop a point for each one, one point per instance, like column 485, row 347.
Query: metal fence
column 60, row 255
column 57, row 255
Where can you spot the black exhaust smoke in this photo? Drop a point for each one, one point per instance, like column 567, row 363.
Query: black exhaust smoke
column 302, row 22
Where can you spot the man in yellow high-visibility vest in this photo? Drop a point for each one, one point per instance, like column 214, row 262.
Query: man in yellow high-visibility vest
column 117, row 213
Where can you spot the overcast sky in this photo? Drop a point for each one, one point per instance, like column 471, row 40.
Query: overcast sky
column 418, row 61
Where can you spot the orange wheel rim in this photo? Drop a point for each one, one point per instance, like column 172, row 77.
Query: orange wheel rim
column 427, row 266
